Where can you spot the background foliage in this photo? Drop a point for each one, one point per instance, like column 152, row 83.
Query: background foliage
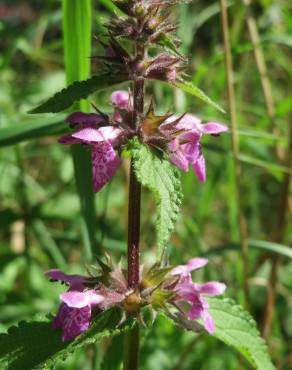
column 40, row 217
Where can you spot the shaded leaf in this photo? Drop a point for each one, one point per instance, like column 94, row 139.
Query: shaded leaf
column 34, row 345
column 16, row 133
column 114, row 354
column 77, row 91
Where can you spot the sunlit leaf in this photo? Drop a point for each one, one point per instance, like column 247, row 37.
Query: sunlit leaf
column 190, row 88
column 158, row 175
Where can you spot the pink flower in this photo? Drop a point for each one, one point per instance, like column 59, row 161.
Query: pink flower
column 121, row 102
column 74, row 315
column 72, row 321
column 184, row 271
column 184, row 147
column 102, row 133
column 75, row 312
column 120, row 99
column 76, row 282
column 193, row 293
column 105, row 161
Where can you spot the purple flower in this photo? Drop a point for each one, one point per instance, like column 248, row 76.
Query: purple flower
column 120, row 99
column 122, row 104
column 105, row 161
column 184, row 147
column 193, row 293
column 76, row 282
column 103, row 134
column 184, row 271
column 74, row 314
column 72, row 321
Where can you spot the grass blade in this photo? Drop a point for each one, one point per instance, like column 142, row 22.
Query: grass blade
column 32, row 129
column 77, row 49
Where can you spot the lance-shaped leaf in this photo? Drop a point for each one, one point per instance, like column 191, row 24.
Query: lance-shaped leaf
column 190, row 88
column 77, row 91
column 157, row 174
column 236, row 328
column 31, row 129
column 169, row 43
column 36, row 345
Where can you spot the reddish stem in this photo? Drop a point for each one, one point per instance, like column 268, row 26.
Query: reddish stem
column 131, row 361
column 134, row 230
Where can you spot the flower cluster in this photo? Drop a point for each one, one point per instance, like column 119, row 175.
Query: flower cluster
column 178, row 137
column 165, row 289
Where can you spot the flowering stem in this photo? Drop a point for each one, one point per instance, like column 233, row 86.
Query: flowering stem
column 132, row 338
column 133, row 230
column 131, row 349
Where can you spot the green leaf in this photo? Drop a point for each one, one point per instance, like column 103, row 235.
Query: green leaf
column 36, row 345
column 190, row 88
column 114, row 354
column 77, row 91
column 157, row 174
column 235, row 327
column 167, row 42
column 265, row 164
column 281, row 249
column 32, row 129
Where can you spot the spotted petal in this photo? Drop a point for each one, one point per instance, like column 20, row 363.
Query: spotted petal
column 72, row 321
column 105, row 163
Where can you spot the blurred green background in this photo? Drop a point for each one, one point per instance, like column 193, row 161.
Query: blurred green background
column 40, row 220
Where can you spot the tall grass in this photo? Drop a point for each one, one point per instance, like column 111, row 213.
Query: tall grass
column 77, row 49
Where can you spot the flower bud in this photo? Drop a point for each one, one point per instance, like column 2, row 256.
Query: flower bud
column 132, row 303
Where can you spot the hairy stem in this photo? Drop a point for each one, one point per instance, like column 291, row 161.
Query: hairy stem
column 132, row 339
column 235, row 147
column 131, row 349
column 133, row 230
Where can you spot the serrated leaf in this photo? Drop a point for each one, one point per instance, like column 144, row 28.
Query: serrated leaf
column 235, row 327
column 167, row 42
column 36, row 345
column 77, row 91
column 190, row 88
column 157, row 174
